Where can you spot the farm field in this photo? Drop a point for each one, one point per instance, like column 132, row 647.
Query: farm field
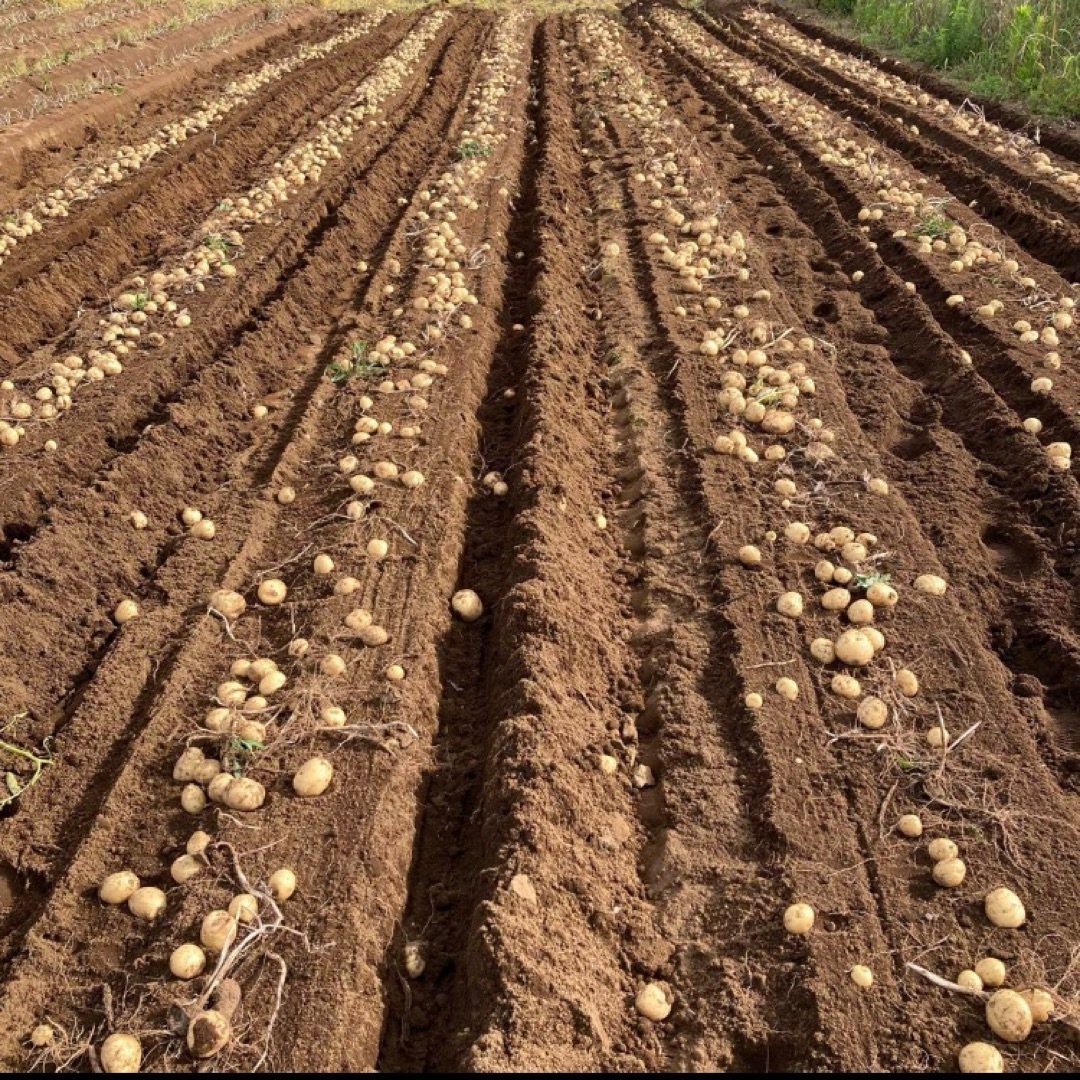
column 533, row 539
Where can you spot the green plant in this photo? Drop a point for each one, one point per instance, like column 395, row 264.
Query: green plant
column 239, row 753
column 934, row 225
column 1023, row 49
column 864, row 581
column 472, row 148
column 341, row 371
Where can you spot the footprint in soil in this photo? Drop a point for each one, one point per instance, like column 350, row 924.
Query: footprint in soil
column 1012, row 553
column 10, row 890
column 1064, row 723
column 913, row 447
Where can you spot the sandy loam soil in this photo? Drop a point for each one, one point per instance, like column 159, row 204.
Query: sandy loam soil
column 569, row 798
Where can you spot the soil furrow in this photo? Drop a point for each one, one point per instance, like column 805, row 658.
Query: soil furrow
column 172, row 578
column 1033, row 214
column 1007, row 198
column 425, row 1018
column 145, row 394
column 1060, row 138
column 40, row 154
column 1008, row 369
column 706, row 848
column 83, row 256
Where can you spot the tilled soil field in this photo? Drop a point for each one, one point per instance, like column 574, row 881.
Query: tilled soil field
column 539, row 542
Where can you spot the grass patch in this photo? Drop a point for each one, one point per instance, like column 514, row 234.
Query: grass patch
column 1023, row 50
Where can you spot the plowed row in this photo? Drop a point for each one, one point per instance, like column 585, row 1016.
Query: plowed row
column 410, row 318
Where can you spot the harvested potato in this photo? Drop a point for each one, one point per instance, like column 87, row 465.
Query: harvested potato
column 1004, row 908
column 799, row 919
column 980, row 1057
column 1009, row 1016
column 653, row 1001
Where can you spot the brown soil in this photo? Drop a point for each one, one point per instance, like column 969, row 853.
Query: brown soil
column 29, row 96
column 64, row 40
column 469, row 818
column 48, row 141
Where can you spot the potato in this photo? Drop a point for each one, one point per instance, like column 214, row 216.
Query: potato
column 872, row 713
column 185, row 868
column 854, row 648
column 750, row 555
column 835, row 599
column 193, row 799
column 208, row 1033
column 259, row 668
column 861, row 612
column 653, row 1001
column 799, row 919
column 787, row 688
column 147, row 903
column 219, row 786
column 206, row 770
column 906, row 682
column 823, row 650
column 931, row 584
column 231, row 692
column 244, row 794
column 272, row 591
column 1040, row 1002
column 950, row 873
column 910, row 825
column 186, row 764
column 332, row 664
column 1003, row 908
column 969, row 980
column 229, row 603
column 415, row 961
column 282, row 884
column 272, row 682
column 42, row 1036
column 244, row 908
column 467, row 605
column 187, row 961
column 798, row 532
column 313, row 777
column 1009, row 1016
column 118, row 888
column 373, row 636
column 790, row 604
column 991, row 971
column 937, row 737
column 125, row 611
column 753, row 701
column 942, row 848
column 217, row 931
column 862, row 976
column 980, row 1057
column 121, row 1053
column 881, row 595
column 846, row 687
